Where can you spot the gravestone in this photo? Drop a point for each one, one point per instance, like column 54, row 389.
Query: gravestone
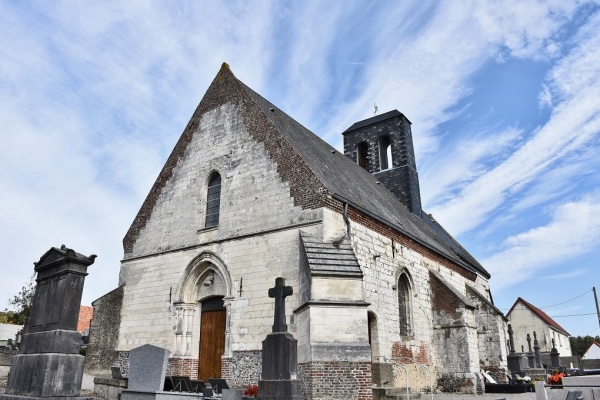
column 279, row 353
column 49, row 364
column 513, row 360
column 536, row 351
column 523, row 361
column 147, row 368
column 530, row 355
column 147, row 372
column 554, row 355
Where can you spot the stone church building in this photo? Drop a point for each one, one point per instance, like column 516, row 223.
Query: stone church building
column 248, row 194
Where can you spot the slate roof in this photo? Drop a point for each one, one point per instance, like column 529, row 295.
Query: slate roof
column 374, row 120
column 341, row 177
column 330, row 259
column 347, row 181
column 542, row 315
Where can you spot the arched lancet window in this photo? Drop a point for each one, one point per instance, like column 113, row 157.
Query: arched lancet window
column 404, row 305
column 385, row 153
column 362, row 154
column 213, row 201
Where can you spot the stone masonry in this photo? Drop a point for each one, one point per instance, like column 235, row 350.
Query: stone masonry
column 396, row 293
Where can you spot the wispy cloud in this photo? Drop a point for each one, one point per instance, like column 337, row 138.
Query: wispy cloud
column 574, row 229
column 95, row 95
column 574, row 123
column 561, row 276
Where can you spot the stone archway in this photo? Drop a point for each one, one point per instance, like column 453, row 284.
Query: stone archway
column 206, row 287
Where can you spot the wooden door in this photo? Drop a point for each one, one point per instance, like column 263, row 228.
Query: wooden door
column 212, row 344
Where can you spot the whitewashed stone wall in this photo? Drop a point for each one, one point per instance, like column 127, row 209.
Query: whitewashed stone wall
column 428, row 344
column 256, row 239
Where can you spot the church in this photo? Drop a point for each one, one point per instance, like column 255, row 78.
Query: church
column 382, row 294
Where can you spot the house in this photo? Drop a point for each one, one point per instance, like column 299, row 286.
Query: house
column 593, row 353
column 526, row 318
column 247, row 195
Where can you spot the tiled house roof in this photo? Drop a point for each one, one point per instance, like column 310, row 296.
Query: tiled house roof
column 542, row 315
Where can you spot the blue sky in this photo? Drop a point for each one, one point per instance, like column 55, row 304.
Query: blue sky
column 504, row 98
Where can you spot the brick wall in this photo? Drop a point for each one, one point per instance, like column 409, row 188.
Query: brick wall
column 336, row 380
column 183, row 367
column 85, row 318
column 104, row 333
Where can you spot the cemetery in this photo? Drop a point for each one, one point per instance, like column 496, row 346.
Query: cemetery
column 48, row 366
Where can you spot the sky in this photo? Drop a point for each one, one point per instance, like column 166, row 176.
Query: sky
column 503, row 96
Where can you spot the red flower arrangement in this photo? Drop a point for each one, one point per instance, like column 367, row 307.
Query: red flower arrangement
column 251, row 390
column 555, row 378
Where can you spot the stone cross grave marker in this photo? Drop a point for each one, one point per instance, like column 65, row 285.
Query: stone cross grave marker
column 530, row 355
column 536, row 350
column 280, row 292
column 279, row 378
column 513, row 360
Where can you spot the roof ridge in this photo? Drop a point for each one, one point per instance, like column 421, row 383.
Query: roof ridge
column 226, row 88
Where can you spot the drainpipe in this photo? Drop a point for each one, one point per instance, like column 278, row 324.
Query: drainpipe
column 346, row 220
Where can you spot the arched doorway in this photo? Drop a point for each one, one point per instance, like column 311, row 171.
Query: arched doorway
column 203, row 316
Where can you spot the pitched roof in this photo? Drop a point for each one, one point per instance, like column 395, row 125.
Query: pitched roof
column 374, row 120
column 542, row 315
column 323, row 170
column 593, row 352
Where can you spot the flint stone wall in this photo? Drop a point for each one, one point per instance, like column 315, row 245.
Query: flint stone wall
column 102, row 351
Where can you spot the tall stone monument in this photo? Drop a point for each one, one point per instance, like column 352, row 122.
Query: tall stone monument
column 513, row 359
column 554, row 356
column 279, row 354
column 536, row 351
column 530, row 355
column 49, row 365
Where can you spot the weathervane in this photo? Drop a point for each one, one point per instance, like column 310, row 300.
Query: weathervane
column 375, row 106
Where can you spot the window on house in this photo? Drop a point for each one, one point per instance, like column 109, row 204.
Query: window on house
column 213, row 201
column 404, row 305
column 362, row 154
column 385, row 153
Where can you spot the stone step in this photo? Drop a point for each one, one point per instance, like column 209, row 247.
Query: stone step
column 393, row 393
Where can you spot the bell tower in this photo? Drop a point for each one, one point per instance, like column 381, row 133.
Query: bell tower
column 383, row 146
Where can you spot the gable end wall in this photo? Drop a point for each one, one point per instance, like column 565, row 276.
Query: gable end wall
column 305, row 188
